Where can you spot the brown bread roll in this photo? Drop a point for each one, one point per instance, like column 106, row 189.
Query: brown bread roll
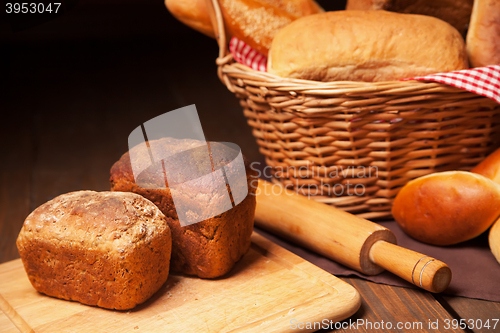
column 365, row 46
column 447, row 208
column 455, row 12
column 109, row 249
column 207, row 249
column 483, row 37
column 253, row 21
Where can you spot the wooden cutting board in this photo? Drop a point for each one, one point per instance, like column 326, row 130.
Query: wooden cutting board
column 266, row 291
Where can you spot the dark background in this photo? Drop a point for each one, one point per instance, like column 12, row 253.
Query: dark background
column 73, row 88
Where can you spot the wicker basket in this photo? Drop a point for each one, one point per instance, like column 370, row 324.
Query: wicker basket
column 355, row 144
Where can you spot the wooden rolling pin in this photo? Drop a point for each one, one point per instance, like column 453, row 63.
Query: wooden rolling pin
column 350, row 240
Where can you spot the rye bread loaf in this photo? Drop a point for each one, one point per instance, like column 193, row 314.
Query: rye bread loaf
column 207, row 249
column 108, row 249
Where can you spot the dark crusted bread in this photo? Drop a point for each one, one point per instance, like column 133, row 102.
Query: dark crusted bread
column 109, row 249
column 455, row 12
column 206, row 249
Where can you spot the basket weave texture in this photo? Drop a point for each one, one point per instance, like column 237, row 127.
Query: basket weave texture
column 355, row 144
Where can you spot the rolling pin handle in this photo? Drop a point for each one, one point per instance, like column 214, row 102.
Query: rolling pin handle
column 345, row 238
column 423, row 271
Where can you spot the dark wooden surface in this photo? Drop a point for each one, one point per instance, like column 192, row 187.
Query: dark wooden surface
column 72, row 90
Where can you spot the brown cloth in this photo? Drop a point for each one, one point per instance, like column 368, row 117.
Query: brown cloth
column 476, row 272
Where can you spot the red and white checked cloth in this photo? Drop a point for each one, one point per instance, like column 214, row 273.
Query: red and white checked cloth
column 484, row 81
column 246, row 55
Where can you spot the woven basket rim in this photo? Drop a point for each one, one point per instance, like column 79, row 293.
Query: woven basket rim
column 227, row 66
column 236, row 77
column 230, row 67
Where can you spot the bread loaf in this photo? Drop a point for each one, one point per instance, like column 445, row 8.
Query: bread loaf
column 490, row 167
column 192, row 13
column 455, row 12
column 253, row 21
column 448, row 207
column 206, row 249
column 365, row 46
column 494, row 240
column 107, row 249
column 483, row 37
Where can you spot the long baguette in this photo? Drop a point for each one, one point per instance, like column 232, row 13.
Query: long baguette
column 253, row 21
column 483, row 37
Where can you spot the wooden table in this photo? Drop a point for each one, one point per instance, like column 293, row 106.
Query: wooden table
column 73, row 91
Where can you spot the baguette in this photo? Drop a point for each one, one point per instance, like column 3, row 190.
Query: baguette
column 494, row 240
column 490, row 167
column 192, row 13
column 253, row 21
column 483, row 37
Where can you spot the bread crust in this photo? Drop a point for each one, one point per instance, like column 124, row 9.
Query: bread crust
column 494, row 240
column 207, row 249
column 193, row 13
column 447, row 208
column 366, row 46
column 255, row 22
column 455, row 12
column 483, row 37
column 490, row 167
column 106, row 249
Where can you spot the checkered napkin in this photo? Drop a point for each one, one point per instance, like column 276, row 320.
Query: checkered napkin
column 246, row 55
column 484, row 81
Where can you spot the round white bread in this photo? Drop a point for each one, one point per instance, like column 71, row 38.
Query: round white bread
column 447, row 208
column 494, row 240
column 483, row 37
column 365, row 46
